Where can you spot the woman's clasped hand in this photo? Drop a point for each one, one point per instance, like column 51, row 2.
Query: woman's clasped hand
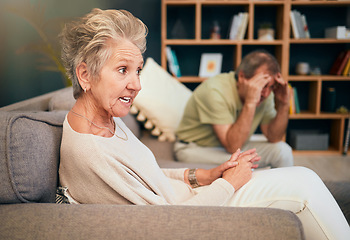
column 237, row 170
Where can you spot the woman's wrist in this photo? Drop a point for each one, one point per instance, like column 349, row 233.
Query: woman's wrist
column 192, row 178
column 202, row 176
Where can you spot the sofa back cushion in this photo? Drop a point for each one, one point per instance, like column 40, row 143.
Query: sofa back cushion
column 29, row 155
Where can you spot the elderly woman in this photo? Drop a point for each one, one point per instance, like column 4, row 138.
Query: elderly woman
column 103, row 162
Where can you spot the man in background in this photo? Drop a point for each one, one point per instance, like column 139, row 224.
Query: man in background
column 225, row 110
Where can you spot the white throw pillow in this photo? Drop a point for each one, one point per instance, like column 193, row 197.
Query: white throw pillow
column 161, row 102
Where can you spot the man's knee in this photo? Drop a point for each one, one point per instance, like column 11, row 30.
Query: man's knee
column 284, row 154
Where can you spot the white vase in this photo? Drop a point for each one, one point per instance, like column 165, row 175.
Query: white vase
column 266, row 34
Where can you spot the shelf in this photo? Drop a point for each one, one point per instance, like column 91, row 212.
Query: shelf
column 224, row 2
column 191, row 79
column 197, row 15
column 319, row 40
column 320, row 2
column 292, row 78
column 219, row 42
column 309, row 115
column 330, row 151
column 317, row 78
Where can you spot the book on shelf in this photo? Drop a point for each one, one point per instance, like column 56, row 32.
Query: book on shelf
column 238, row 26
column 346, row 70
column 340, row 63
column 299, row 25
column 243, row 26
column 294, row 107
column 291, row 100
column 347, row 139
column 296, row 100
column 305, row 26
column 173, row 63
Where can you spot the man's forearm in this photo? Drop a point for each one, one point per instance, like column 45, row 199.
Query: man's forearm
column 277, row 127
column 239, row 131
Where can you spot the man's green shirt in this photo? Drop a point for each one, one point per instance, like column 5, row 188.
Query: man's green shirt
column 216, row 101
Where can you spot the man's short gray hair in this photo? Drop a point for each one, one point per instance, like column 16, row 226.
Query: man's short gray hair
column 252, row 61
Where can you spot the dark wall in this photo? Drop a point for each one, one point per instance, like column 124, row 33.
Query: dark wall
column 20, row 77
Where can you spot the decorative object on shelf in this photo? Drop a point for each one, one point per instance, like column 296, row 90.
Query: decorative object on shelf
column 215, row 31
column 210, row 64
column 316, row 71
column 238, row 26
column 178, row 31
column 330, row 100
column 342, row 110
column 338, row 32
column 302, row 68
column 172, row 62
column 299, row 24
column 266, row 32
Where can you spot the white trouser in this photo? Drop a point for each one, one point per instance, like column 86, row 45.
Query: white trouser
column 272, row 154
column 299, row 190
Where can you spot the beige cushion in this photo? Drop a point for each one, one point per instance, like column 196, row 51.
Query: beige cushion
column 161, row 102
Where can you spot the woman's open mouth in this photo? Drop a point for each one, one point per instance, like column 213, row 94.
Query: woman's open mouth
column 125, row 99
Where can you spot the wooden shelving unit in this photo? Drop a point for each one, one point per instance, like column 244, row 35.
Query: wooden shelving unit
column 197, row 15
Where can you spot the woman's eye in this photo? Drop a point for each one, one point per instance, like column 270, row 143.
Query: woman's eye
column 122, row 70
column 138, row 72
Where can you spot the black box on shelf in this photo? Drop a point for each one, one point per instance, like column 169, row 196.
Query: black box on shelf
column 308, row 140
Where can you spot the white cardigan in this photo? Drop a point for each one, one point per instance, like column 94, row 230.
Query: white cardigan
column 111, row 170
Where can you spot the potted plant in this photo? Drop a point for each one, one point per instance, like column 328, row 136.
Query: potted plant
column 266, row 32
column 48, row 46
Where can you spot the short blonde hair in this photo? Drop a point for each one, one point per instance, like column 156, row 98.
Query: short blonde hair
column 85, row 40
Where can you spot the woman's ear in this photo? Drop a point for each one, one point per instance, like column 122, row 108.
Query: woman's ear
column 83, row 76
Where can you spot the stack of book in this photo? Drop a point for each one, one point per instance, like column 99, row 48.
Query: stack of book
column 294, row 106
column 300, row 28
column 238, row 26
column 173, row 63
column 341, row 65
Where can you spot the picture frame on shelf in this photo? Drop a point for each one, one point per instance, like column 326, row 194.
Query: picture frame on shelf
column 210, row 64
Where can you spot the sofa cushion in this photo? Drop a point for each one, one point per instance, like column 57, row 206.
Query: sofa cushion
column 62, row 100
column 29, row 155
column 161, row 102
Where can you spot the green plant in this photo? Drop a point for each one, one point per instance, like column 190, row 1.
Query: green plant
column 265, row 25
column 48, row 46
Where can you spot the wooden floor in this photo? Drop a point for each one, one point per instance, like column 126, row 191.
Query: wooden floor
column 328, row 167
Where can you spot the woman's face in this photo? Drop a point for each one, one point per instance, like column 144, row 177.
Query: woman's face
column 119, row 79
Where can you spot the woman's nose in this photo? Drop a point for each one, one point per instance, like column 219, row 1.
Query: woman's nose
column 135, row 84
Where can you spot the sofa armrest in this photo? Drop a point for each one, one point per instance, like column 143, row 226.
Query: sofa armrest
column 53, row 221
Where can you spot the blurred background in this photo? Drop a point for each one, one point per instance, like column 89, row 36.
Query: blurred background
column 24, row 70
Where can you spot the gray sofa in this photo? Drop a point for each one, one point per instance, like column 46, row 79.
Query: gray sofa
column 30, row 135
